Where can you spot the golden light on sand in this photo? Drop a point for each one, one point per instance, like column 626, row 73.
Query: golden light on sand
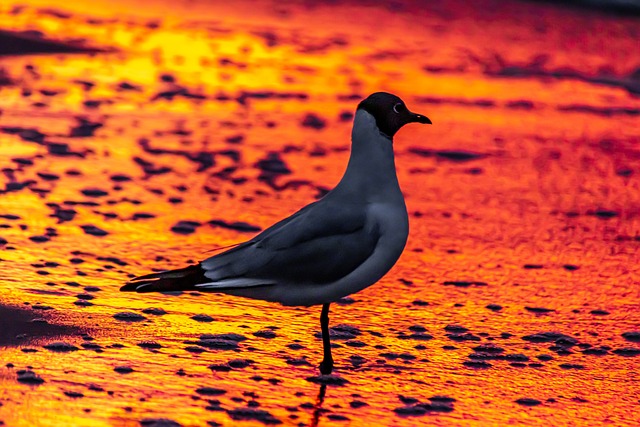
column 176, row 121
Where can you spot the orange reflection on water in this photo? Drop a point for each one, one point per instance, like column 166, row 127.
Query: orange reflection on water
column 523, row 198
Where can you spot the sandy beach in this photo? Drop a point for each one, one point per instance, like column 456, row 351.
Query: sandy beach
column 136, row 138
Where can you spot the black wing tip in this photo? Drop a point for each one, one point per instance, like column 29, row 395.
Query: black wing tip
column 138, row 287
column 166, row 281
column 149, row 276
column 180, row 272
column 129, row 287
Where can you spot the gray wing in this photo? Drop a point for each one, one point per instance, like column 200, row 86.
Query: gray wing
column 318, row 244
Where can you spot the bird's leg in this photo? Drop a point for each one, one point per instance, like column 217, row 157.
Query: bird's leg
column 326, row 366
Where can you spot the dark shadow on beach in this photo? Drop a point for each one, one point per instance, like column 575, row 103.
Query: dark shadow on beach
column 23, row 326
column 32, row 42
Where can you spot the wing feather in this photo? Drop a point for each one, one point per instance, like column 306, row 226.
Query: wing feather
column 239, row 282
column 318, row 244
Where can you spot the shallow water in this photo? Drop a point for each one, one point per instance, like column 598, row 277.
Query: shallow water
column 523, row 198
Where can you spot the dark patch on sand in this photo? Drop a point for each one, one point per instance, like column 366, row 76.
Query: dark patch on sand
column 413, row 407
column 19, row 327
column 31, row 42
column 451, row 155
column 159, row 422
column 527, row 401
column 250, row 414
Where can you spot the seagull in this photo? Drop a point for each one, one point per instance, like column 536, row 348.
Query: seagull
column 331, row 248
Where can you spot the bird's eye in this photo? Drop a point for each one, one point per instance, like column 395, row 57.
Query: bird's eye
column 399, row 108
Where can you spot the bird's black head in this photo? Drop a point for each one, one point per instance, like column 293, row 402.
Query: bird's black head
column 390, row 112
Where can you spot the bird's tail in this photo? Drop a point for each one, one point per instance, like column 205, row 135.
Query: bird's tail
column 182, row 279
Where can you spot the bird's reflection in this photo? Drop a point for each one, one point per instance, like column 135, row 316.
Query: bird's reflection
column 317, row 410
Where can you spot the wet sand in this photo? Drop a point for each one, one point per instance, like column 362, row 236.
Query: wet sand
column 515, row 303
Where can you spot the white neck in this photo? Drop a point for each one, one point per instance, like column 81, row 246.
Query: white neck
column 371, row 172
